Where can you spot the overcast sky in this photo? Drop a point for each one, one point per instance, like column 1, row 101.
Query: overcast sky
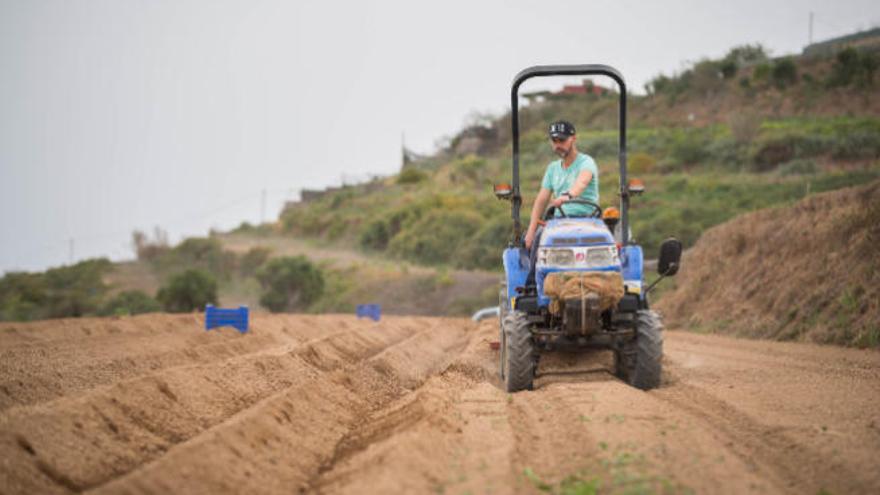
column 119, row 115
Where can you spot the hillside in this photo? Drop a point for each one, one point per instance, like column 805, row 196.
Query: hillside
column 721, row 138
column 808, row 272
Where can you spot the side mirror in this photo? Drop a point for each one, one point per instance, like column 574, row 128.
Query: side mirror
column 502, row 191
column 635, row 186
column 670, row 257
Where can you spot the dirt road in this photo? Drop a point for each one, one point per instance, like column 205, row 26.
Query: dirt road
column 330, row 404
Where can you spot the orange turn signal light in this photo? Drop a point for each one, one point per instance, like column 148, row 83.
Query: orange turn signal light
column 636, row 186
column 502, row 191
column 611, row 213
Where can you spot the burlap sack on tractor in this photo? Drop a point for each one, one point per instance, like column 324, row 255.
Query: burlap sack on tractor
column 560, row 286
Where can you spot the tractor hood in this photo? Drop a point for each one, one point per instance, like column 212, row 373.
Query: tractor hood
column 575, row 232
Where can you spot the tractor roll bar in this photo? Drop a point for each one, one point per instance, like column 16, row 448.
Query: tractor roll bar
column 568, row 70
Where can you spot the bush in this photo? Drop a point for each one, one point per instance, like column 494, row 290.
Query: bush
column 435, row 237
column 130, row 302
column 783, row 73
column 469, row 168
column 23, row 296
column 252, row 260
column 76, row 290
column 411, row 176
column 290, row 283
column 761, row 73
column 67, row 291
column 375, row 235
column 483, row 250
column 852, row 66
column 192, row 289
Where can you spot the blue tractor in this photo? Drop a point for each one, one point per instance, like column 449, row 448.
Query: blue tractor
column 587, row 289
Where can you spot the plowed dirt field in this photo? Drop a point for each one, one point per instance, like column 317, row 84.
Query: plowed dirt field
column 331, row 404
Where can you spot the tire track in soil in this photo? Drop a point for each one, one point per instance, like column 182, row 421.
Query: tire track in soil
column 332, row 405
column 766, row 450
column 312, row 415
column 85, row 440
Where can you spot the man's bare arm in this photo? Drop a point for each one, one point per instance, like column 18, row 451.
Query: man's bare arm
column 580, row 184
column 538, row 208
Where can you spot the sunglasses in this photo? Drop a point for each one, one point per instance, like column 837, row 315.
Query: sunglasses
column 559, row 139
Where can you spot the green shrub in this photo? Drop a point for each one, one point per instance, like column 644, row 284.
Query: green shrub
column 435, row 237
column 23, row 296
column 761, row 74
column 853, row 66
column 468, row 168
column 130, row 302
column 411, row 176
column 375, row 235
column 76, row 290
column 290, row 283
column 252, row 260
column 783, row 73
column 192, row 289
column 67, row 291
column 483, row 250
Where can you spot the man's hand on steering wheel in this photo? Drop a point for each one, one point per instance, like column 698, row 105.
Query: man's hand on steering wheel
column 556, row 203
column 565, row 198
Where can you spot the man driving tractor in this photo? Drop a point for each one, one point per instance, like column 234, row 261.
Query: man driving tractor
column 574, row 175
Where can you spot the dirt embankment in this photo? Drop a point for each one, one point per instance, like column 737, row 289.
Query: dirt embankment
column 809, row 272
column 331, row 404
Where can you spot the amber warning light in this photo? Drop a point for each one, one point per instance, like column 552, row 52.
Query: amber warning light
column 503, row 191
column 636, row 186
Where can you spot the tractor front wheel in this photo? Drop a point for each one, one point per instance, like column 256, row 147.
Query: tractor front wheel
column 638, row 362
column 518, row 352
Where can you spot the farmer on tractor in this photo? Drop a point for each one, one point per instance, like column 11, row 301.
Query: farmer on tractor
column 574, row 175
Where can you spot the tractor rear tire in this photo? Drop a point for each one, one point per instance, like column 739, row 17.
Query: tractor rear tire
column 519, row 353
column 638, row 362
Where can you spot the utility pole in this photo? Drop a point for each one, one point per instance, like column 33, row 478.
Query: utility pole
column 70, row 251
column 263, row 207
column 811, row 29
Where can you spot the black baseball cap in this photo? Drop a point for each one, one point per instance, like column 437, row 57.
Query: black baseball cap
column 561, row 128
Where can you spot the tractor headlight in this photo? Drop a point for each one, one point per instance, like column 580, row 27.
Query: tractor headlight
column 579, row 257
column 601, row 256
column 556, row 257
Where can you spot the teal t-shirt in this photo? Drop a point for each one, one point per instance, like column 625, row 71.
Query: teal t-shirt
column 559, row 180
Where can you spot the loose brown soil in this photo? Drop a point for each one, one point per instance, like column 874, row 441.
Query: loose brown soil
column 332, row 404
column 808, row 272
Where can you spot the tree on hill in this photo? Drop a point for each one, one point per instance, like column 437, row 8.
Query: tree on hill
column 192, row 289
column 290, row 283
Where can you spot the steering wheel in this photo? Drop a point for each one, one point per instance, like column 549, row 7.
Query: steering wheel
column 597, row 210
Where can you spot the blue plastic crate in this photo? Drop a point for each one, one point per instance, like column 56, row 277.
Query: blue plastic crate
column 219, row 317
column 373, row 311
